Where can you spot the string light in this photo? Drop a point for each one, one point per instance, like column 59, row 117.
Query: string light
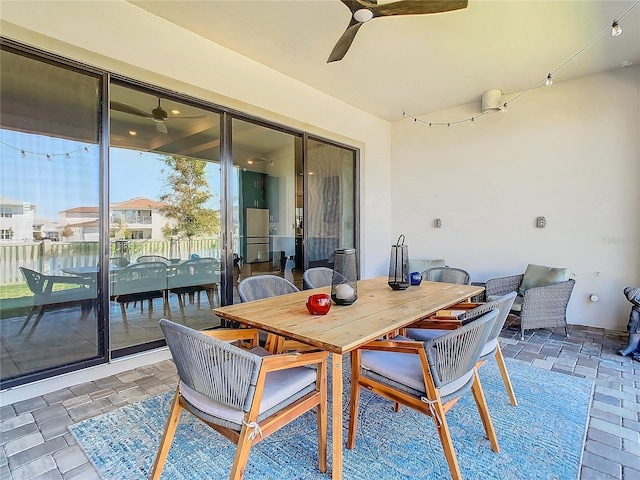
column 615, row 30
column 49, row 156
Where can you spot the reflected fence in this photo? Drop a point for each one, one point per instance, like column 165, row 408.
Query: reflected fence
column 52, row 258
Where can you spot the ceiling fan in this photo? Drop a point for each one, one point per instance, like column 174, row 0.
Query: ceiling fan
column 158, row 114
column 364, row 10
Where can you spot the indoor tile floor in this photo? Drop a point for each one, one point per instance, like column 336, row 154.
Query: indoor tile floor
column 35, row 442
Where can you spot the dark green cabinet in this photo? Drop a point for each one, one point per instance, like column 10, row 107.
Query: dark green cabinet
column 260, row 190
column 254, row 190
column 273, row 198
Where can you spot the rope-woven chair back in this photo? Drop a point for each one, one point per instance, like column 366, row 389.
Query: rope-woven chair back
column 446, row 275
column 452, row 355
column 502, row 304
column 317, row 277
column 211, row 367
column 264, row 286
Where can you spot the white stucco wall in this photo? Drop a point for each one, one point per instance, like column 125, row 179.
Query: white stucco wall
column 570, row 153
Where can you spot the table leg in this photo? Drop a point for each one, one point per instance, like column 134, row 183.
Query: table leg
column 336, row 421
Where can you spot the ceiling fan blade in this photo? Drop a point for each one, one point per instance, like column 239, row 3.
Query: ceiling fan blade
column 161, row 127
column 345, row 41
column 121, row 107
column 187, row 117
column 417, row 8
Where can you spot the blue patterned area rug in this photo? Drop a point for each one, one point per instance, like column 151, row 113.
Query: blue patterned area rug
column 541, row 438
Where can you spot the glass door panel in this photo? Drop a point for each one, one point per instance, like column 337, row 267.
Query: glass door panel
column 164, row 215
column 331, row 211
column 264, row 203
column 49, row 216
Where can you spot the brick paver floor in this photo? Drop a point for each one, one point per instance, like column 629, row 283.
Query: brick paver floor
column 35, row 442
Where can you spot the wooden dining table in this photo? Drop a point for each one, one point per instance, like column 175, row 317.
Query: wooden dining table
column 378, row 311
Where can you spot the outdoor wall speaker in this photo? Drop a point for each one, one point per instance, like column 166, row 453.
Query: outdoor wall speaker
column 491, row 101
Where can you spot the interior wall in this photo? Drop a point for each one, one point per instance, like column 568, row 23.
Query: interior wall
column 570, row 153
column 124, row 39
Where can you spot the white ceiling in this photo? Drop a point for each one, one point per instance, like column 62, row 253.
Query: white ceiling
column 418, row 63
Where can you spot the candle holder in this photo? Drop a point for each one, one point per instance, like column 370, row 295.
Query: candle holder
column 399, row 265
column 319, row 304
column 344, row 283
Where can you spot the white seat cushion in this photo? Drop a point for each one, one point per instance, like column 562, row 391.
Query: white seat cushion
column 424, row 334
column 405, row 368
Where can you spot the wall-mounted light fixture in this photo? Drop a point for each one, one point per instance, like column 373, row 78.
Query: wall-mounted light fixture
column 541, row 222
column 437, row 223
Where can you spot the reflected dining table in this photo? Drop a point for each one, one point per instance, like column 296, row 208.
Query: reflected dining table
column 378, row 311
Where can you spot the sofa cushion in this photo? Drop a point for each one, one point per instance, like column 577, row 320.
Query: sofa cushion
column 541, row 276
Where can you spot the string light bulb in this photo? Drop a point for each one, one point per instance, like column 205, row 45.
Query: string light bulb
column 549, row 81
column 615, row 29
column 504, row 107
column 473, row 122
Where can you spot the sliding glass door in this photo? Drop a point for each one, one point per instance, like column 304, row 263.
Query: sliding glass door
column 264, row 186
column 49, row 216
column 330, row 215
column 122, row 203
column 164, row 216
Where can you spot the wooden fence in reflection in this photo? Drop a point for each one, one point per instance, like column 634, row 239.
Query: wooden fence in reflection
column 51, row 257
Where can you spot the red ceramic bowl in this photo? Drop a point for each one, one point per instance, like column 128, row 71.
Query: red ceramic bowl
column 319, row 304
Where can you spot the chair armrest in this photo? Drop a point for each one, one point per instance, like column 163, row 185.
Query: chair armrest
column 231, row 335
column 549, row 297
column 284, row 361
column 503, row 285
column 400, row 346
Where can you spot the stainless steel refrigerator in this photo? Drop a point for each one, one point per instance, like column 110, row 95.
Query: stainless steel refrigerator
column 257, row 229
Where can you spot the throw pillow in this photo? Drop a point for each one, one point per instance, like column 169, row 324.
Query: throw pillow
column 541, row 276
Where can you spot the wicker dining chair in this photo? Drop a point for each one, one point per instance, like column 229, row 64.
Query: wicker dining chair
column 246, row 395
column 429, row 377
column 492, row 347
column 446, row 275
column 266, row 286
column 317, row 277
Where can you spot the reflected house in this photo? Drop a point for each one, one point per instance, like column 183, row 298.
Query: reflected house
column 16, row 220
column 83, row 222
column 140, row 216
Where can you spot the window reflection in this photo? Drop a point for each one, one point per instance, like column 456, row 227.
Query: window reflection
column 49, row 197
column 164, row 215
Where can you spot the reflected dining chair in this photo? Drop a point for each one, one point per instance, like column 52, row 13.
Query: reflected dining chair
column 491, row 348
column 317, row 277
column 245, row 395
column 265, row 286
column 47, row 296
column 446, row 275
column 429, row 377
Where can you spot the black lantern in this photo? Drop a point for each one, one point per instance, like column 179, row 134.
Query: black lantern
column 344, row 283
column 399, row 265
